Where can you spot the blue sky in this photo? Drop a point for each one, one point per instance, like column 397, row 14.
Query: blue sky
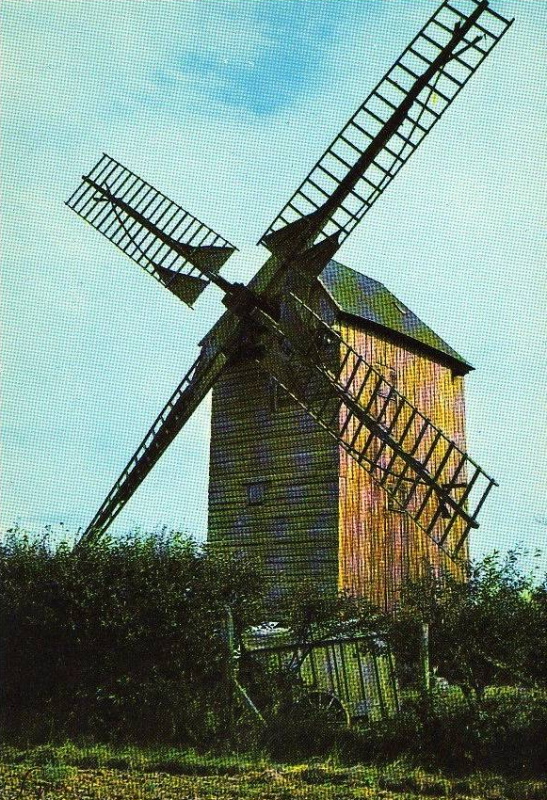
column 224, row 106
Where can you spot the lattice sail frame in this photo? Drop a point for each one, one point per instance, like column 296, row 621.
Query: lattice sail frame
column 426, row 474
column 348, row 397
column 387, row 96
column 187, row 396
column 171, row 244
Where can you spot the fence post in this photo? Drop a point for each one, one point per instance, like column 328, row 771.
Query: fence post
column 233, row 671
column 425, row 676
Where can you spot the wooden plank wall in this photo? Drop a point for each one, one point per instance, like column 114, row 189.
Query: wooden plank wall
column 254, row 438
column 379, row 548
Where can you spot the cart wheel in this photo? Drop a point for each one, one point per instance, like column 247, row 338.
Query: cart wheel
column 328, row 705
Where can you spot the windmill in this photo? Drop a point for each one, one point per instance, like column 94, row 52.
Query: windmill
column 280, row 333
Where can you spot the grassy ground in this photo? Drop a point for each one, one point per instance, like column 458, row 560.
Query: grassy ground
column 100, row 773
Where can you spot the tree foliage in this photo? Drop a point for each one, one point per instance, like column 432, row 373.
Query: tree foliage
column 484, row 631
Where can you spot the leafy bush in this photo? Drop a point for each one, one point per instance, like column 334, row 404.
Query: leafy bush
column 485, row 631
column 119, row 640
column 506, row 734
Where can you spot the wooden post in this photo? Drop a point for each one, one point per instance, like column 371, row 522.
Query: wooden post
column 233, row 671
column 425, row 674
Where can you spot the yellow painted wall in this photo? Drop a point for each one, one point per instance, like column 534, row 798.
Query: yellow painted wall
column 379, row 548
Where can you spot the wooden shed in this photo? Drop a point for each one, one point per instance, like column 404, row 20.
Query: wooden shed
column 282, row 489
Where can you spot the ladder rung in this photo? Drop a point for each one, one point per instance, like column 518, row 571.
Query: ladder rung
column 427, row 109
column 396, row 156
column 350, row 143
column 375, row 116
column 359, row 127
column 306, row 197
column 405, row 139
column 432, row 41
column 382, row 169
column 444, row 27
column 436, row 475
column 419, row 55
column 457, row 57
column 340, row 159
column 407, row 69
column 370, row 183
column 445, row 97
column 359, row 197
column 397, row 85
column 474, row 46
column 498, row 16
column 319, row 188
column 489, row 33
column 445, row 74
column 376, row 93
column 327, row 172
column 460, row 14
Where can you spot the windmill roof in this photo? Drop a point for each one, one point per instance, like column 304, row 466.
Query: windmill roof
column 369, row 300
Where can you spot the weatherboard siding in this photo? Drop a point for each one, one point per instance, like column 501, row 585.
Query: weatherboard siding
column 293, row 532
column 322, row 518
column 379, row 548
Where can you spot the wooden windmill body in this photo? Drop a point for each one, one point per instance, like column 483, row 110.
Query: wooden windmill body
column 283, row 491
column 338, row 442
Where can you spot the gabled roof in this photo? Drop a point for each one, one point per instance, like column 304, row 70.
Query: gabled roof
column 369, row 300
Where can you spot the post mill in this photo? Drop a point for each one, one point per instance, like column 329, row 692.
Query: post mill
column 338, row 432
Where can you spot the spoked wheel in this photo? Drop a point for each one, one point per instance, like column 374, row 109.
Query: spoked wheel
column 327, row 705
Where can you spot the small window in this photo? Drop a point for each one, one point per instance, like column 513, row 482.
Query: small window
column 281, row 400
column 256, row 493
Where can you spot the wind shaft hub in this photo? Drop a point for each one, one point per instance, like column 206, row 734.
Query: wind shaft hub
column 243, row 302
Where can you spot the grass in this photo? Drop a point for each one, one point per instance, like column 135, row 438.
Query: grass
column 98, row 772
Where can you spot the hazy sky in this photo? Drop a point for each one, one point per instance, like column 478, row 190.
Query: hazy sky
column 224, row 106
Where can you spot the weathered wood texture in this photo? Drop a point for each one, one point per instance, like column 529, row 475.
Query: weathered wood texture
column 258, row 437
column 380, row 547
column 283, row 491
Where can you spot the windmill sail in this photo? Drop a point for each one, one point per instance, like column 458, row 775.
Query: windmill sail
column 160, row 236
column 425, row 474
column 388, row 127
column 176, row 412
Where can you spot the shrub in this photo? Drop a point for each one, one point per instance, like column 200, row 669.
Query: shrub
column 121, row 640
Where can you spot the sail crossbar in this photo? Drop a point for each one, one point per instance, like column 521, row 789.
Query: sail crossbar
column 374, row 117
column 424, row 473
column 168, row 242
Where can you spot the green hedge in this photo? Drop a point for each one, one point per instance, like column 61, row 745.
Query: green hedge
column 122, row 640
